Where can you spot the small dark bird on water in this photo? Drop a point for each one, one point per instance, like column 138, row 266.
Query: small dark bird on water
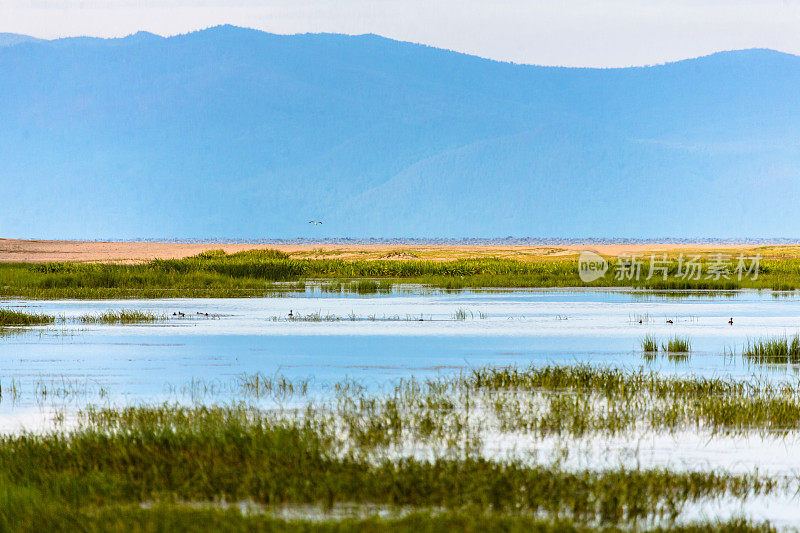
column 730, row 321
column 640, row 321
column 290, row 313
column 669, row 322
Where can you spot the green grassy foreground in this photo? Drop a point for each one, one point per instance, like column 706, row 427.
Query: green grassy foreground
column 166, row 457
column 169, row 467
column 270, row 272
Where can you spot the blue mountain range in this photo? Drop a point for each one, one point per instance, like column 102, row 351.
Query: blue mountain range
column 232, row 132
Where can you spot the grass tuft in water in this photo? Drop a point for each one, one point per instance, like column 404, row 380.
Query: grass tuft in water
column 677, row 345
column 124, row 316
column 17, row 318
column 649, row 344
column 773, row 350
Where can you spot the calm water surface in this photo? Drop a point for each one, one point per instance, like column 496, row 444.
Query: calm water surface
column 381, row 338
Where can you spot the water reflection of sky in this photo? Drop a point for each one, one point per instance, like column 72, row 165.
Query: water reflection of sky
column 54, row 370
column 386, row 340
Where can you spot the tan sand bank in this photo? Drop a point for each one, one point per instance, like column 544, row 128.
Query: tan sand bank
column 38, row 251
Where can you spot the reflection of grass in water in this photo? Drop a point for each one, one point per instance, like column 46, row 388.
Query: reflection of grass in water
column 773, row 350
column 678, row 357
column 124, row 316
column 32, row 513
column 365, row 286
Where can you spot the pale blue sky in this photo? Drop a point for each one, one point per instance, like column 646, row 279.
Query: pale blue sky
column 555, row 32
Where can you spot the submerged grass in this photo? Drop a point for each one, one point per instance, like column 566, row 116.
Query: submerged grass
column 270, row 272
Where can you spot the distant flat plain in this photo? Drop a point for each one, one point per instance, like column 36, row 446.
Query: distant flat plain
column 42, row 251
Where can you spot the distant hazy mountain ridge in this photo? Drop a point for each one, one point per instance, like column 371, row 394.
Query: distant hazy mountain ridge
column 235, row 132
column 8, row 39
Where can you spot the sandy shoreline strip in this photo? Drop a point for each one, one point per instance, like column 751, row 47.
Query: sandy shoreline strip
column 40, row 251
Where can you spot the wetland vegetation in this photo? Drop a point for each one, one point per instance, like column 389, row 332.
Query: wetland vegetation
column 677, row 349
column 9, row 317
column 270, row 272
column 418, row 452
column 123, row 316
column 773, row 350
column 486, row 448
column 11, row 320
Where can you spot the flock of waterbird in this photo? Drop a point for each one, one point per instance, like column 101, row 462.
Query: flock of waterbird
column 670, row 321
column 291, row 315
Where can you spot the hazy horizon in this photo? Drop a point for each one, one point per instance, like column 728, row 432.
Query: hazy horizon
column 168, row 36
column 578, row 33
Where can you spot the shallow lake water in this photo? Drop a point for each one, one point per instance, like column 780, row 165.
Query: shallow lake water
column 380, row 338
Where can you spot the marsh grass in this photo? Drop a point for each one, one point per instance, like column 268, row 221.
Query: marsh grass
column 351, row 447
column 205, row 454
column 316, row 316
column 677, row 345
column 676, row 349
column 649, row 344
column 773, row 350
column 124, row 316
column 272, row 273
column 9, row 317
column 461, row 314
